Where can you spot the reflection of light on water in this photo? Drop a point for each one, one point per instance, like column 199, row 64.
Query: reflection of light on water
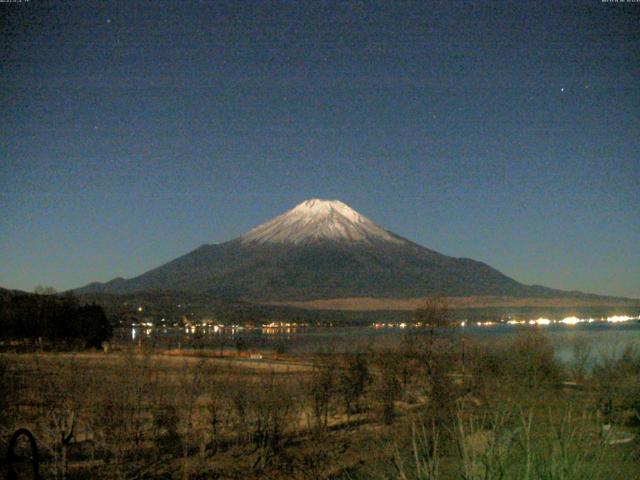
column 278, row 330
column 274, row 328
column 140, row 332
column 208, row 328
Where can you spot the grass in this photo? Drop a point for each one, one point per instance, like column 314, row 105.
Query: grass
column 146, row 414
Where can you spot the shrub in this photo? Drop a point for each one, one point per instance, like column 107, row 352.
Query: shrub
column 532, row 360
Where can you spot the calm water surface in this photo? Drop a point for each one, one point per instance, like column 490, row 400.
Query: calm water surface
column 605, row 340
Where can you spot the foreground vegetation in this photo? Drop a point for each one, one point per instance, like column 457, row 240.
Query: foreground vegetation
column 427, row 407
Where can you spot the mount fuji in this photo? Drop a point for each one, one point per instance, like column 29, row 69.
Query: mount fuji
column 317, row 220
column 321, row 249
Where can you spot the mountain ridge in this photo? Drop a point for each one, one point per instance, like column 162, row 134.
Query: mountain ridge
column 322, row 249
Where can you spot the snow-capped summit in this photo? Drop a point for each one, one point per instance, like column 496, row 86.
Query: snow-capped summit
column 316, row 219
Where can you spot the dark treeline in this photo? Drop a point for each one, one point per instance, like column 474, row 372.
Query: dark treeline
column 54, row 319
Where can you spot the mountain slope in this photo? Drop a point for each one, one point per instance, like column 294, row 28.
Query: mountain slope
column 321, row 249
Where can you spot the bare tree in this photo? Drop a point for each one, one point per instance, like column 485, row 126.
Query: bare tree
column 433, row 314
column 61, row 391
column 354, row 379
column 320, row 389
column 581, row 350
column 44, row 290
column 263, row 411
column 389, row 387
column 192, row 433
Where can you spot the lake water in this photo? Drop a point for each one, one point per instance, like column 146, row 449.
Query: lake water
column 604, row 339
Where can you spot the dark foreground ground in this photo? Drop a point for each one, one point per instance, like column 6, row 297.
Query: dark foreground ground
column 424, row 407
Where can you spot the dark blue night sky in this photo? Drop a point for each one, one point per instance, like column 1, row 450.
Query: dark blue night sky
column 134, row 131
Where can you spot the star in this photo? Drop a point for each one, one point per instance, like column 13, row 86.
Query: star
column 108, row 20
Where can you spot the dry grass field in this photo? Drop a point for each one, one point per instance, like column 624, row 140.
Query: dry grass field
column 400, row 304
column 423, row 408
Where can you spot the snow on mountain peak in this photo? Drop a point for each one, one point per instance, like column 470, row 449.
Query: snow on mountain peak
column 316, row 219
column 324, row 208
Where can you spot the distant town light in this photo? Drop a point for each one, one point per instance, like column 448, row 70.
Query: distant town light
column 619, row 318
column 540, row 321
column 571, row 320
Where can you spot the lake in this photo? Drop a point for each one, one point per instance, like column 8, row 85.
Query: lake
column 605, row 339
